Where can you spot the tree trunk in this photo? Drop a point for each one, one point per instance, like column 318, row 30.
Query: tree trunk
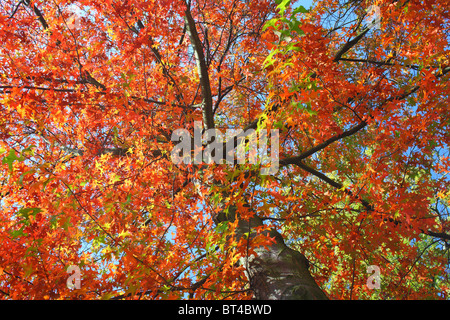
column 276, row 272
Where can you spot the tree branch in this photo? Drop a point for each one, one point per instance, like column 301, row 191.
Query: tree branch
column 333, row 183
column 440, row 235
column 159, row 59
column 323, row 145
column 366, row 204
column 349, row 45
column 38, row 13
column 208, row 115
column 5, row 89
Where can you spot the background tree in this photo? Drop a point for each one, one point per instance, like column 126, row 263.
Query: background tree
column 92, row 91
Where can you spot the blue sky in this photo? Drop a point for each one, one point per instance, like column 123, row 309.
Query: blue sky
column 305, row 3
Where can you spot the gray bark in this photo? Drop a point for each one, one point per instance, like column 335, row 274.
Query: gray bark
column 276, row 272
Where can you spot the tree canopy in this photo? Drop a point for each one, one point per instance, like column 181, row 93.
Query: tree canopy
column 92, row 93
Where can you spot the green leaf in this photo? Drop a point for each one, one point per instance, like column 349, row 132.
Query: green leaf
column 282, row 5
column 11, row 158
column 292, row 46
column 300, row 9
column 278, row 124
column 294, row 25
column 128, row 200
column 82, row 184
column 66, row 224
column 26, row 212
column 17, row 233
column 269, row 60
column 270, row 23
column 28, row 151
column 53, row 221
column 222, row 227
column 24, row 174
column 107, row 296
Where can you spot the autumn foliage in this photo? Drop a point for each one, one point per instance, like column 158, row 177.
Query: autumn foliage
column 91, row 91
